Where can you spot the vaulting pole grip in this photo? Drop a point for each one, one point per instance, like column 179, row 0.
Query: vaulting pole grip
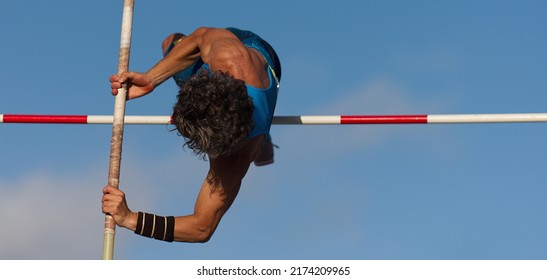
column 117, row 125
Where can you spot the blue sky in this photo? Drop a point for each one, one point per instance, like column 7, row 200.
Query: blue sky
column 335, row 192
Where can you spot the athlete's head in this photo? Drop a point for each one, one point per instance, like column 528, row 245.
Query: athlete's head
column 214, row 113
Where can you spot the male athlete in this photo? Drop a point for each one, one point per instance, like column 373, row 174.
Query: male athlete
column 229, row 80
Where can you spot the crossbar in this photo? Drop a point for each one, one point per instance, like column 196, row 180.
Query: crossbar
column 292, row 120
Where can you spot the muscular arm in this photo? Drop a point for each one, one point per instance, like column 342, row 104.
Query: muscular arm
column 217, row 194
column 219, row 48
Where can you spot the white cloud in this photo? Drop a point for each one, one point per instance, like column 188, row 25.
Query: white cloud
column 45, row 217
column 55, row 215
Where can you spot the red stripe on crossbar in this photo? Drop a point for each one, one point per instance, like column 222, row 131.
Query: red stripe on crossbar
column 77, row 119
column 395, row 119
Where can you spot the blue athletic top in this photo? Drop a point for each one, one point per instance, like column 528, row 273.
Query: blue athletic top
column 264, row 100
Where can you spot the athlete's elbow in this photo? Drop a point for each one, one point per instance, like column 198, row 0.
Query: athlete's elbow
column 204, row 239
column 200, row 31
column 204, row 235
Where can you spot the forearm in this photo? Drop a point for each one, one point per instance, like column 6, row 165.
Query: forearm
column 180, row 229
column 182, row 56
column 193, row 229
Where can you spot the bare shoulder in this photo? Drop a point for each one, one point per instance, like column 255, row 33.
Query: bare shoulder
column 223, row 51
column 215, row 41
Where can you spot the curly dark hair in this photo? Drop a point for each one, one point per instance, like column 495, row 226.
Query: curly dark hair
column 214, row 113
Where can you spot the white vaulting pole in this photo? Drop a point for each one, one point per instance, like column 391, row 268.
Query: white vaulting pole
column 117, row 125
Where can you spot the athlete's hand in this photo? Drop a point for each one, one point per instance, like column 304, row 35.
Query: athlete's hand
column 115, row 205
column 138, row 84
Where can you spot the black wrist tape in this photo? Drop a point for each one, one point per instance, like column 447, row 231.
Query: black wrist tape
column 157, row 227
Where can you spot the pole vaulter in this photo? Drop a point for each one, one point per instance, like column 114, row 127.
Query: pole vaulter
column 118, row 120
